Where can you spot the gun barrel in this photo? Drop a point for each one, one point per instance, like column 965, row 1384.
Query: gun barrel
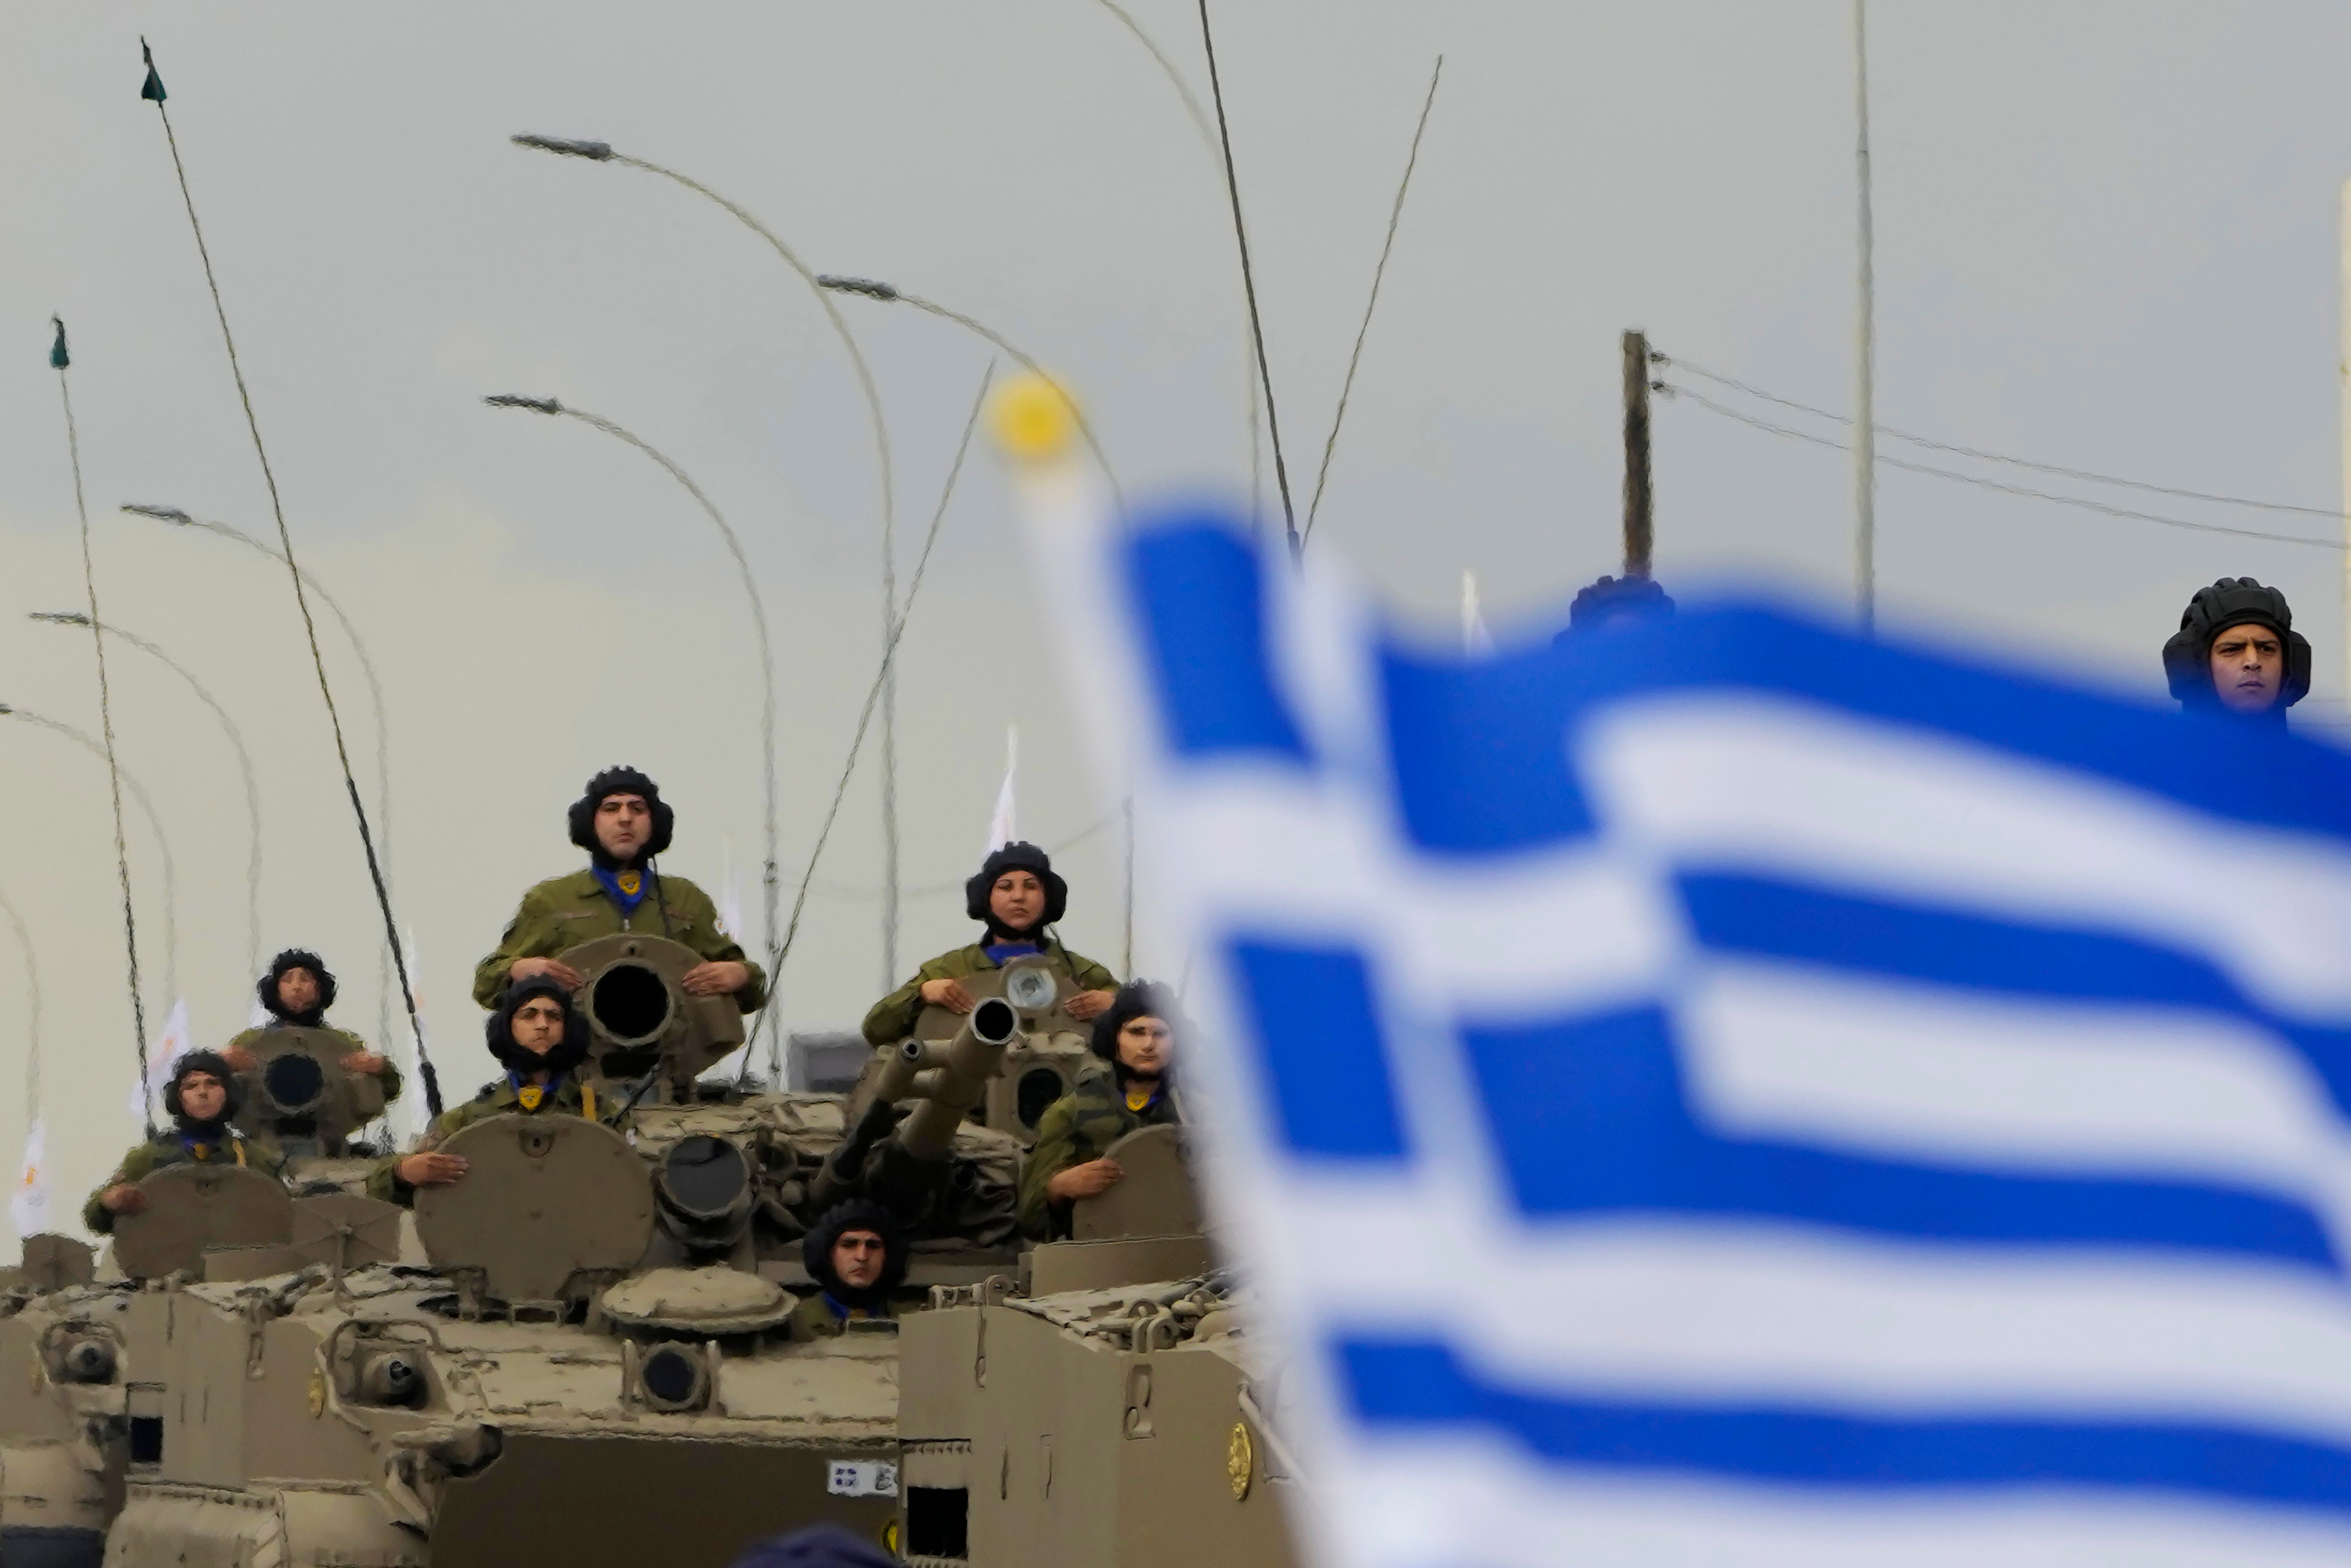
column 954, row 1079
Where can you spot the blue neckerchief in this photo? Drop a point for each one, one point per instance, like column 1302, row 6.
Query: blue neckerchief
column 842, row 1314
column 1000, row 953
column 201, row 1148
column 611, row 882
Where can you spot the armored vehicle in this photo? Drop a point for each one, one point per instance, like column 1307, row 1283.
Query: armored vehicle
column 596, row 1362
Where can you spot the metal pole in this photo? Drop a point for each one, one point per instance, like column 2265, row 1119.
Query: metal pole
column 1864, row 349
column 2344, row 374
column 1638, row 524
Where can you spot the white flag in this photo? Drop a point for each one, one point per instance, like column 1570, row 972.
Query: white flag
column 258, row 1016
column 174, row 1043
column 1475, row 639
column 1002, row 829
column 730, row 891
column 28, row 1205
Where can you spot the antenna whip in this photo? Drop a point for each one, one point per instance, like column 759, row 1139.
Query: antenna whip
column 151, row 89
column 59, row 358
column 1249, row 288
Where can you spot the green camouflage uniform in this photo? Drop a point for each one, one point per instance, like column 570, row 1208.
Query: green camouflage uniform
column 253, row 1040
column 814, row 1318
column 1079, row 1127
column 498, row 1097
column 563, row 912
column 892, row 1018
column 168, row 1150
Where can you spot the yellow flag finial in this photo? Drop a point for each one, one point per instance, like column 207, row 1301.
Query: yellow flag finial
column 1033, row 419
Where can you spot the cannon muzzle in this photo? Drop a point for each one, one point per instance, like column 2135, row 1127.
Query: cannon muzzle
column 948, row 1079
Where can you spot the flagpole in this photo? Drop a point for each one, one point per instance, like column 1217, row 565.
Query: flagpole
column 1864, row 347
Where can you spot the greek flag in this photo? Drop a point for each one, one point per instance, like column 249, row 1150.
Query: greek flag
column 1715, row 1091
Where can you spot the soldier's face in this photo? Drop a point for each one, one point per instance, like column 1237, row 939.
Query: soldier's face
column 297, row 990
column 624, row 824
column 2247, row 668
column 202, row 1096
column 537, row 1026
column 857, row 1259
column 1017, row 900
column 1142, row 1046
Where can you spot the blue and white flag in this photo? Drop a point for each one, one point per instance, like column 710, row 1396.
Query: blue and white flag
column 1715, row 1091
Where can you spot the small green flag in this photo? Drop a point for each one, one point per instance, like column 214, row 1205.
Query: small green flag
column 151, row 89
column 58, row 358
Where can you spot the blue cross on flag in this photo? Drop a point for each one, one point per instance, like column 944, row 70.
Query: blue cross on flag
column 1718, row 1090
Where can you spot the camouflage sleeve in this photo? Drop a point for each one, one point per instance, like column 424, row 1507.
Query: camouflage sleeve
column 268, row 1161
column 390, row 1077
column 527, row 936
column 1056, row 1150
column 702, row 935
column 384, row 1182
column 892, row 1018
column 136, row 1166
column 1090, row 975
column 245, row 1040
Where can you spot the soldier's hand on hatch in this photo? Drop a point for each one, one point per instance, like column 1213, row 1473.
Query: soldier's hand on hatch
column 122, row 1199
column 1089, row 1180
column 561, row 973
column 366, row 1061
column 237, row 1057
column 1088, row 1006
column 430, row 1168
column 718, row 977
column 948, row 994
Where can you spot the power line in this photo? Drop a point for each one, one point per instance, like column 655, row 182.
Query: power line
column 1958, row 450
column 2022, row 490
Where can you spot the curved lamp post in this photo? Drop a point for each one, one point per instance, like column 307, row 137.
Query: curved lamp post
column 244, row 765
column 181, row 519
column 548, row 406
column 602, row 152
column 154, row 824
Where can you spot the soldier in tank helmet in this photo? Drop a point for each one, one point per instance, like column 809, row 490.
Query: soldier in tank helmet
column 2237, row 653
column 297, row 993
column 1614, row 602
column 623, row 824
column 539, row 1038
column 857, row 1255
column 1015, row 894
column 201, row 1099
column 1130, row 1084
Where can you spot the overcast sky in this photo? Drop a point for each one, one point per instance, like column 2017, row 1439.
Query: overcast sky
column 2107, row 238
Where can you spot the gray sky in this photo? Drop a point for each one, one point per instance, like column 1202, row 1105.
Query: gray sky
column 2108, row 237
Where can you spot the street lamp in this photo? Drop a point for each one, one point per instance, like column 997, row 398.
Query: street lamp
column 891, row 294
column 244, row 764
column 154, row 823
column 603, row 152
column 548, row 406
column 181, row 519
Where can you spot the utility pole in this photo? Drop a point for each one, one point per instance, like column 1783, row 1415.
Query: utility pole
column 1638, row 532
column 1864, row 349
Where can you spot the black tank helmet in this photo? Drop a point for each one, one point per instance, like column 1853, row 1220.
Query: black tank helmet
column 858, row 1213
column 498, row 1031
column 1617, row 598
column 1135, row 999
column 620, row 780
column 213, row 1063
column 2233, row 601
column 296, row 959
column 1018, row 855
